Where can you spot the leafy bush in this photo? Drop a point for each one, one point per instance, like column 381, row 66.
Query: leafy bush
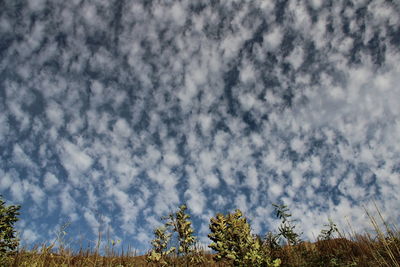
column 160, row 249
column 8, row 240
column 232, row 240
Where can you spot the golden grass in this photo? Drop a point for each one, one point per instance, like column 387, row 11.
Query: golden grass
column 382, row 248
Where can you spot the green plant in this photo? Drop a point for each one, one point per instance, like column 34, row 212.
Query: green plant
column 327, row 234
column 8, row 240
column 271, row 240
column 232, row 240
column 160, row 249
column 286, row 229
column 180, row 223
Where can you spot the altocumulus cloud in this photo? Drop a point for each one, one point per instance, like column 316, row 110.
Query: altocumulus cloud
column 115, row 112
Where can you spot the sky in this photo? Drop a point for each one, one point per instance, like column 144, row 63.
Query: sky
column 114, row 113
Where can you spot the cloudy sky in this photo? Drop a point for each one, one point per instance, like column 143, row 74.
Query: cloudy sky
column 113, row 113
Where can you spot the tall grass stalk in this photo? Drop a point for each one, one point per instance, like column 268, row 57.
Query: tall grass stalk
column 381, row 247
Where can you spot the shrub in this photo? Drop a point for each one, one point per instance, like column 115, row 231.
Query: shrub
column 8, row 240
column 232, row 240
column 181, row 224
column 160, row 249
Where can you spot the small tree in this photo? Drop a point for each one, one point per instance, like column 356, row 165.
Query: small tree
column 286, row 229
column 327, row 234
column 232, row 239
column 160, row 249
column 8, row 217
column 180, row 223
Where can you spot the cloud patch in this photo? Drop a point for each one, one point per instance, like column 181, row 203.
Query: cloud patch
column 125, row 111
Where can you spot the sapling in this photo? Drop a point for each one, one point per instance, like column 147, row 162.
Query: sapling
column 286, row 229
column 326, row 234
column 160, row 250
column 180, row 223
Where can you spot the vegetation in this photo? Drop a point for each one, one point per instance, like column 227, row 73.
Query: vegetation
column 286, row 229
column 187, row 253
column 159, row 253
column 233, row 241
column 8, row 240
column 233, row 244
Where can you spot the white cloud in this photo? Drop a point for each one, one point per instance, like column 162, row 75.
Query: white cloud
column 55, row 114
column 231, row 44
column 298, row 145
column 92, row 221
column 126, row 174
column 252, row 178
column 302, row 20
column 196, row 201
column 50, row 181
column 273, row 39
column 296, row 57
column 143, row 237
column 21, row 157
column 17, row 191
column 176, row 113
column 211, row 180
column 37, row 194
column 5, row 181
column 316, row 164
column 297, row 179
column 275, row 189
column 75, row 125
column 68, row 203
column 207, row 160
column 37, row 5
column 4, row 127
column 241, row 202
column 316, row 3
column 248, row 101
column 29, row 236
column 205, row 122
column 172, row 159
column 178, row 14
column 74, row 160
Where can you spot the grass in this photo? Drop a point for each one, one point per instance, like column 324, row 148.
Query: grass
column 46, row 257
column 380, row 248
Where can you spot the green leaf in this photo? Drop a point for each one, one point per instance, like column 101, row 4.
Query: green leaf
column 231, row 256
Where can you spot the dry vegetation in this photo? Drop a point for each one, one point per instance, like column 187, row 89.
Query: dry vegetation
column 332, row 248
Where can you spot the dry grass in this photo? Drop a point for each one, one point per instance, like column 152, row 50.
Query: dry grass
column 44, row 258
column 382, row 248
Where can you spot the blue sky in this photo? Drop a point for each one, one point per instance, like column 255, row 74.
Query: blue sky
column 113, row 113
